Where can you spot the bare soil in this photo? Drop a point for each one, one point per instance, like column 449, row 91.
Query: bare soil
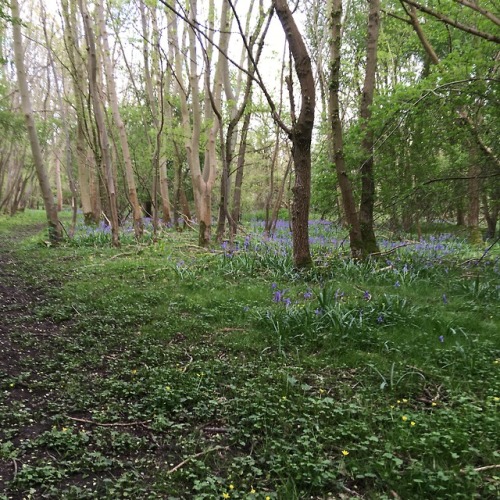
column 18, row 359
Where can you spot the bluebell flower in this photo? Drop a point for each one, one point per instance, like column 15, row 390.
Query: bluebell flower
column 441, row 338
column 278, row 296
column 307, row 295
column 380, row 319
column 445, row 299
column 397, row 284
column 367, row 295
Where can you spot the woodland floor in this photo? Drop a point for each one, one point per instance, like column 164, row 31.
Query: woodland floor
column 19, row 359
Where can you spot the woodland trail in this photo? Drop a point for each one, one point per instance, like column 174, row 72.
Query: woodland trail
column 23, row 338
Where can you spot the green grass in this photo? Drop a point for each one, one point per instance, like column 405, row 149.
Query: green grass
column 398, row 366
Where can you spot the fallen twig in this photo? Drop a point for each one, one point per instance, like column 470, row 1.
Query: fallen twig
column 480, row 469
column 387, row 252
column 351, row 492
column 110, row 424
column 184, row 462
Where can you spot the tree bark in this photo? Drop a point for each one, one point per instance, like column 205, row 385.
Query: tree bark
column 113, row 100
column 101, row 124
column 348, row 201
column 367, row 174
column 54, row 226
column 301, row 135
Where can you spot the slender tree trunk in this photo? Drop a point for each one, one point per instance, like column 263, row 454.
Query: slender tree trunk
column 474, row 201
column 348, row 201
column 89, row 193
column 301, row 136
column 101, row 124
column 55, row 228
column 367, row 174
column 238, row 181
column 113, row 100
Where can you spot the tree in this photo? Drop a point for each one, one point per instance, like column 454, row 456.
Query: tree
column 55, row 228
column 300, row 134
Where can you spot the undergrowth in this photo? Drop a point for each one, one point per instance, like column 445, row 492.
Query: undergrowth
column 176, row 372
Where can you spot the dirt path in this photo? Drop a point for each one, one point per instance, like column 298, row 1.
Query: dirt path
column 21, row 334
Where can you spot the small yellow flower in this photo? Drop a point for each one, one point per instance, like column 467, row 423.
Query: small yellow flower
column 283, row 398
column 64, row 429
column 392, row 407
column 231, row 486
column 225, row 495
column 268, row 497
column 405, row 401
column 497, row 361
column 133, row 372
column 496, row 398
column 412, row 423
column 398, row 401
column 322, row 391
column 404, row 418
column 433, row 403
column 345, row 453
column 252, row 491
column 167, row 388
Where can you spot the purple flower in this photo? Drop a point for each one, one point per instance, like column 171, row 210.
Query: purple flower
column 380, row 319
column 445, row 299
column 307, row 295
column 274, row 285
column 367, row 295
column 287, row 302
column 278, row 296
column 318, row 312
column 441, row 338
column 397, row 284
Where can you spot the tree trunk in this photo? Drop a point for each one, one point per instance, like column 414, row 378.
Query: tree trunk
column 54, row 226
column 238, row 181
column 367, row 175
column 348, row 201
column 101, row 124
column 89, row 192
column 474, row 203
column 113, row 100
column 301, row 136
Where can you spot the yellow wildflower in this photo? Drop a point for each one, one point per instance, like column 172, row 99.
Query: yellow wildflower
column 433, row 403
column 345, row 453
column 404, row 418
column 412, row 423
column 225, row 495
column 133, row 372
column 405, row 401
column 252, row 491
column 231, row 486
column 167, row 388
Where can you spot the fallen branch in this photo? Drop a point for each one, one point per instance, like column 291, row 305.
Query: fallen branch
column 480, row 469
column 184, row 462
column 387, row 252
column 101, row 424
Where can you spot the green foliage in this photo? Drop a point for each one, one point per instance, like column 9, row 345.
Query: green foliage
column 176, row 372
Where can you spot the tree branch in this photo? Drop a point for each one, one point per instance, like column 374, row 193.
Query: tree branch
column 455, row 24
column 477, row 8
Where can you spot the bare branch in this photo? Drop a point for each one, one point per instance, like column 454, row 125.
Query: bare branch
column 455, row 24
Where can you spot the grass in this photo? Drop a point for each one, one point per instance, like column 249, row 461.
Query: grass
column 181, row 373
